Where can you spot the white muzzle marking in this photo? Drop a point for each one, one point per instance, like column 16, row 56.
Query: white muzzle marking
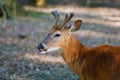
column 52, row 49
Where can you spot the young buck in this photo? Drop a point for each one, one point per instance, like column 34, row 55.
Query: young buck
column 96, row 63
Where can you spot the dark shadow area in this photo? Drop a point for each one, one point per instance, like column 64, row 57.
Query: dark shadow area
column 85, row 3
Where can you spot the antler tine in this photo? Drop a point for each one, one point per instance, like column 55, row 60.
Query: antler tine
column 67, row 18
column 56, row 15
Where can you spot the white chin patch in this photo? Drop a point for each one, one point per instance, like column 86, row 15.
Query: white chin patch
column 52, row 49
column 43, row 52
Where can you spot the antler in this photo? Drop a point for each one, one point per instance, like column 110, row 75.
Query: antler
column 56, row 15
column 67, row 19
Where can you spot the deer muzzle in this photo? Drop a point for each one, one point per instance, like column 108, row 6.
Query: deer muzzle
column 41, row 48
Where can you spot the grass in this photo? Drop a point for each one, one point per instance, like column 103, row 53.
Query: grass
column 15, row 65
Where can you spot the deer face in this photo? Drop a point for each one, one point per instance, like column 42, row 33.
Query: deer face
column 60, row 34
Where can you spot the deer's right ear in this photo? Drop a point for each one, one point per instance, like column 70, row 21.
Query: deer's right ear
column 76, row 25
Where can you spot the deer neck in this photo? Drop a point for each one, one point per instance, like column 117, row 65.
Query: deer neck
column 72, row 50
column 73, row 53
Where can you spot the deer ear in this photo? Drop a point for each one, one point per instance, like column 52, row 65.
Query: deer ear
column 76, row 25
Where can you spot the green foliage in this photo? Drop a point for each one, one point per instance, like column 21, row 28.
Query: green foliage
column 32, row 2
column 10, row 8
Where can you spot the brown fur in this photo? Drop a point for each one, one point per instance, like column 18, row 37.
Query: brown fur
column 97, row 63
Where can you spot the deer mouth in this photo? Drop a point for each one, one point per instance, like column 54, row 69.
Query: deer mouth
column 52, row 49
column 42, row 51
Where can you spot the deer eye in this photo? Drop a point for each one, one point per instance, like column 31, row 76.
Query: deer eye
column 57, row 35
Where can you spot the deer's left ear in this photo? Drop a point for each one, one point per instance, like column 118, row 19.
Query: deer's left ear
column 76, row 25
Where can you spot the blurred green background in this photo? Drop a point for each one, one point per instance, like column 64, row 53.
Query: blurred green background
column 13, row 7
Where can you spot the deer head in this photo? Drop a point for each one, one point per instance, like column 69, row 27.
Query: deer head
column 59, row 35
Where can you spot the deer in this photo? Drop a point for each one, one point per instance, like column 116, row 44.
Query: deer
column 89, row 63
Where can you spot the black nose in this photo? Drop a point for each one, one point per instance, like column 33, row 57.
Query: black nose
column 40, row 47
